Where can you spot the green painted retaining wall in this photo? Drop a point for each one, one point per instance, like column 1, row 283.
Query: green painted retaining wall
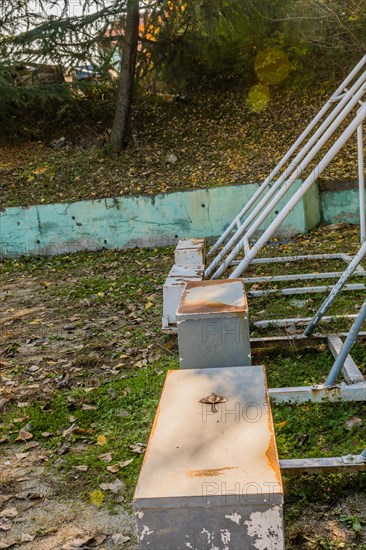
column 143, row 221
column 340, row 202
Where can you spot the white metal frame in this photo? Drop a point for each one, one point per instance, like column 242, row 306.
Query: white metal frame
column 254, row 213
column 352, row 388
column 236, row 239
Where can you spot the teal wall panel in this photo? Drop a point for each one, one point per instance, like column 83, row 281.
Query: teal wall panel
column 143, row 220
column 341, row 206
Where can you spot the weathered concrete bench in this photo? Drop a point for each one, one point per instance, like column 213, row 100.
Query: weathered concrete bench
column 190, row 252
column 211, row 477
column 173, row 290
column 189, row 265
column 213, row 324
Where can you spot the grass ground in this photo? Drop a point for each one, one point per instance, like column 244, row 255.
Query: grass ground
column 214, row 136
column 82, row 365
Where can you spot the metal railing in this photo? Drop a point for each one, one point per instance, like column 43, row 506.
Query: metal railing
column 236, row 237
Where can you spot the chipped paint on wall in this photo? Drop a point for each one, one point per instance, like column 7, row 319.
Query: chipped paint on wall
column 145, row 532
column 126, row 222
column 266, row 529
column 341, row 206
column 225, row 538
column 235, row 517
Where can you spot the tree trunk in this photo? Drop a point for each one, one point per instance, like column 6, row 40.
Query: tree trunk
column 125, row 87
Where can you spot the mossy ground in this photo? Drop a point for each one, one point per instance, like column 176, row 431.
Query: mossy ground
column 84, row 362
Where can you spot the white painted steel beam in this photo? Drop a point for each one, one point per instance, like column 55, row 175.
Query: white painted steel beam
column 318, row 170
column 294, row 340
column 302, row 290
column 299, row 277
column 309, row 257
column 342, row 464
column 281, row 186
column 348, row 272
column 361, row 183
column 319, row 394
column 350, row 370
column 346, row 347
column 297, row 321
column 336, row 96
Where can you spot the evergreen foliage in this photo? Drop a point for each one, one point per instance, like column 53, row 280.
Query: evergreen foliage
column 180, row 42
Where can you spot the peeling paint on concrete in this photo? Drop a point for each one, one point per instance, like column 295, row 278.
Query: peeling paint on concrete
column 143, row 221
column 225, row 538
column 235, row 517
column 209, row 535
column 145, row 532
column 341, row 206
column 266, row 529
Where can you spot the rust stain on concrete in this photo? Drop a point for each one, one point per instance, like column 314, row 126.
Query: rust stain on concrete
column 218, row 296
column 211, row 472
column 271, row 453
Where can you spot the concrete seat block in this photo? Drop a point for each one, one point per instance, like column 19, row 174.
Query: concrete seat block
column 173, row 290
column 190, row 252
column 213, row 324
column 211, row 475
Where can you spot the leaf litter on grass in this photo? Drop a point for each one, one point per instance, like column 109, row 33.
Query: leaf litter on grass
column 212, row 136
column 101, row 381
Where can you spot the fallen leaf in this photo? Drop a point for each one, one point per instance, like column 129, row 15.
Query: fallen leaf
column 67, row 433
column 353, row 422
column 119, row 465
column 148, row 305
column 7, row 544
column 30, row 445
column 114, row 468
column 291, row 329
column 29, row 495
column 9, row 513
column 81, row 468
column 19, row 420
column 119, row 538
column 106, row 457
column 20, row 456
column 5, row 524
column 141, row 363
column 4, row 498
column 63, row 449
column 26, row 537
column 77, row 543
column 126, row 462
column 101, row 440
column 115, row 486
column 87, row 407
column 281, row 424
column 23, row 435
column 138, row 448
